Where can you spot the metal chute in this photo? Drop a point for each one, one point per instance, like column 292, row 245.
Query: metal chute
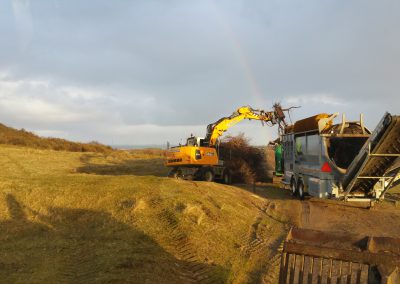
column 311, row 256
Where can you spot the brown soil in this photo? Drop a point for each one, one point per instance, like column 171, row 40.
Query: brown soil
column 382, row 219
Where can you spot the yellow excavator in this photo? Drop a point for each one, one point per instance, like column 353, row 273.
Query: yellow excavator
column 198, row 158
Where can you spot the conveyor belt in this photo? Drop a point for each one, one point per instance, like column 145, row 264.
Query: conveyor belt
column 374, row 159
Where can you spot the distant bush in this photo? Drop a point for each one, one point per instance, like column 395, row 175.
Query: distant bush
column 246, row 163
column 22, row 137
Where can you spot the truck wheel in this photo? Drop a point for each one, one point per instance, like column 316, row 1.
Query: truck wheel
column 300, row 189
column 208, row 175
column 226, row 177
column 293, row 187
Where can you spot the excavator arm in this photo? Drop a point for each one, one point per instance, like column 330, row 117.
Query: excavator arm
column 216, row 129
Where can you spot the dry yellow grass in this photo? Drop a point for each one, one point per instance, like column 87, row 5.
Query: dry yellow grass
column 11, row 136
column 94, row 218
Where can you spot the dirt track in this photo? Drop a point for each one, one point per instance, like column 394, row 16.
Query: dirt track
column 325, row 215
column 376, row 221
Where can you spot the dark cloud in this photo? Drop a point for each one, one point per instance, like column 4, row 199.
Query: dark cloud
column 184, row 64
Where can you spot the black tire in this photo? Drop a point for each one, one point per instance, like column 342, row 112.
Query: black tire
column 293, row 187
column 172, row 173
column 175, row 173
column 208, row 175
column 300, row 189
column 226, row 177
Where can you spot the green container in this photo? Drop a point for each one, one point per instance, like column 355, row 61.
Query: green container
column 278, row 160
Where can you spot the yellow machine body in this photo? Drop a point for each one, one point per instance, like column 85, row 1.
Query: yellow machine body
column 191, row 155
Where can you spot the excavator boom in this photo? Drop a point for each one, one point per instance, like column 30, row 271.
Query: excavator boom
column 216, row 129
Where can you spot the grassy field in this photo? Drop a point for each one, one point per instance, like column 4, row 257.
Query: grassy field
column 68, row 217
column 114, row 218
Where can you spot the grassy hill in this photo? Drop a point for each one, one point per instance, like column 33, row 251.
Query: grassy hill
column 73, row 217
column 11, row 136
column 91, row 217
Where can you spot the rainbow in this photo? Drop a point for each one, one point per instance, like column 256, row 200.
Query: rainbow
column 240, row 55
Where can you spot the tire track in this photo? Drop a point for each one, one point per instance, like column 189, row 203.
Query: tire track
column 254, row 241
column 273, row 263
column 192, row 269
column 263, row 242
column 79, row 267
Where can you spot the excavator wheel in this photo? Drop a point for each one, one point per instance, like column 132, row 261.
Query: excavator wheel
column 208, row 175
column 175, row 173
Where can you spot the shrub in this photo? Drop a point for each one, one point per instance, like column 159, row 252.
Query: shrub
column 246, row 163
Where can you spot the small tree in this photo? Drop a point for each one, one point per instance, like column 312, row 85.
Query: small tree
column 245, row 162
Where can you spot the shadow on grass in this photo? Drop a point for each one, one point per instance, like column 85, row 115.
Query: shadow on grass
column 138, row 167
column 84, row 246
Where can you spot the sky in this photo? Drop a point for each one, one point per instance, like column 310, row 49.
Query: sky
column 151, row 71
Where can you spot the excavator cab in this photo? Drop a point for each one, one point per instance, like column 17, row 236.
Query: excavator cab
column 191, row 141
column 195, row 141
